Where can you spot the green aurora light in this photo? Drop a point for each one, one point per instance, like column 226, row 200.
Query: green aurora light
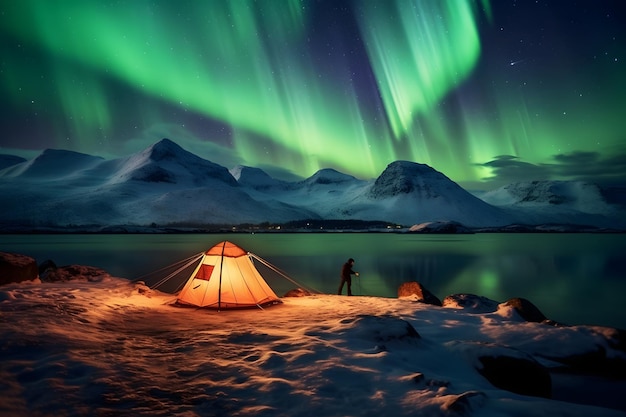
column 263, row 81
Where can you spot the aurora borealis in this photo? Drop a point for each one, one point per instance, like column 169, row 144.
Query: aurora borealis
column 485, row 92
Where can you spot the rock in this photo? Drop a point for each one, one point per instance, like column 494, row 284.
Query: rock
column 381, row 329
column 506, row 368
column 527, row 310
column 523, row 376
column 616, row 338
column 605, row 354
column 45, row 267
column 142, row 288
column 17, row 268
column 418, row 378
column 297, row 292
column 463, row 404
column 472, row 303
column 415, row 289
column 76, row 273
column 442, row 227
column 422, row 382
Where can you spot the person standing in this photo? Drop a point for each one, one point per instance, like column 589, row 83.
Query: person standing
column 346, row 276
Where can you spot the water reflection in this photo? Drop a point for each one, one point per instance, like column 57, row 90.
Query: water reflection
column 574, row 278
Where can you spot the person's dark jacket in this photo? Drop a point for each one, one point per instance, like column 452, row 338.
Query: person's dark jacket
column 346, row 271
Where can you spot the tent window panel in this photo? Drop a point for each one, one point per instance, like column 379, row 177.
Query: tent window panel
column 205, row 272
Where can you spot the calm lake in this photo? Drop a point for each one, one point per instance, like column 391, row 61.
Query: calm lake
column 572, row 278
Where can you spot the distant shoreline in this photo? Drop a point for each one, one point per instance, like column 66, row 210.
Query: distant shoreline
column 283, row 229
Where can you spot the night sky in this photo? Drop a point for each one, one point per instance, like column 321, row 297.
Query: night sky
column 486, row 92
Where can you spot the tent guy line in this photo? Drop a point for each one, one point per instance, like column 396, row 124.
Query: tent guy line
column 225, row 277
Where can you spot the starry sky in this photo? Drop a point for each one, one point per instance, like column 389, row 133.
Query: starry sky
column 487, row 92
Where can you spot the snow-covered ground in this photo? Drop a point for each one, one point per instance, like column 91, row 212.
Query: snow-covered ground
column 113, row 347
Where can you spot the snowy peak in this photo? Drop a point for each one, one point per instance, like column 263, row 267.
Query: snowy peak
column 329, row 176
column 253, row 177
column 409, row 193
column 238, row 171
column 10, row 160
column 577, row 195
column 167, row 162
column 53, row 164
column 152, row 186
column 164, row 150
column 404, row 177
column 543, row 192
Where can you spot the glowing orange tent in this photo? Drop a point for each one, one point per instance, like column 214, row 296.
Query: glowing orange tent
column 226, row 278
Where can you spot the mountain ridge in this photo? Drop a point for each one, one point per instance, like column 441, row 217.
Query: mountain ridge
column 165, row 184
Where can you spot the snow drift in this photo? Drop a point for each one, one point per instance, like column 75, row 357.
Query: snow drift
column 111, row 347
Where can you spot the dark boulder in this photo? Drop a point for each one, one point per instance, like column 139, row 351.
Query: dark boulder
column 463, row 404
column 603, row 353
column 507, row 368
column 380, row 330
column 427, row 383
column 527, row 310
column 297, row 292
column 440, row 227
column 45, row 267
column 471, row 303
column 415, row 289
column 75, row 273
column 17, row 268
column 523, row 376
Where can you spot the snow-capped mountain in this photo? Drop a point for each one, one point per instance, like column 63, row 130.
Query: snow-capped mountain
column 10, row 160
column 327, row 192
column 326, row 177
column 415, row 193
column 169, row 186
column 166, row 162
column 163, row 184
column 255, row 178
column 52, row 164
column 577, row 202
